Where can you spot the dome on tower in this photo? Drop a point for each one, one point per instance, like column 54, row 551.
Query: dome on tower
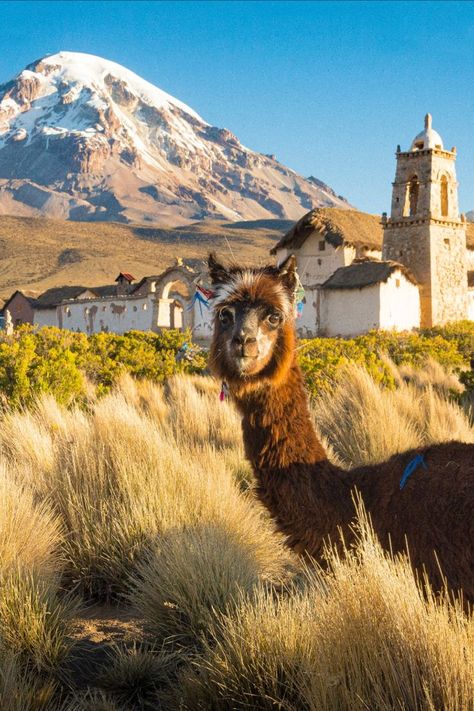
column 428, row 138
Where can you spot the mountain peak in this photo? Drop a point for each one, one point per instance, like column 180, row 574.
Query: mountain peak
column 82, row 137
column 93, row 71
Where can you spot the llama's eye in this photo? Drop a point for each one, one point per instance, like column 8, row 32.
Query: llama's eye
column 225, row 317
column 274, row 318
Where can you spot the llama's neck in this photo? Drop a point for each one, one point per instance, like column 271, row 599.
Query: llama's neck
column 305, row 494
column 277, row 427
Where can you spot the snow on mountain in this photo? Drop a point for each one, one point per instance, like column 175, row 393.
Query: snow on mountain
column 84, row 138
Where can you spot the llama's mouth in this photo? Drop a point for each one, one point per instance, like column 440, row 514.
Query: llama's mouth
column 245, row 362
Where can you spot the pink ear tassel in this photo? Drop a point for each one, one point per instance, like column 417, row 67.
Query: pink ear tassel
column 224, row 391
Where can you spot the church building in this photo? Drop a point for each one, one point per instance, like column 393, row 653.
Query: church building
column 414, row 268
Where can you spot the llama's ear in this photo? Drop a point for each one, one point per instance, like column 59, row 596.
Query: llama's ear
column 217, row 271
column 287, row 273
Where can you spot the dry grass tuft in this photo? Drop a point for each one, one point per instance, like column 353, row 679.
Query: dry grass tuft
column 141, row 494
column 30, row 532
column 432, row 375
column 34, row 620
column 196, row 572
column 360, row 635
column 130, row 469
column 365, row 423
column 135, row 677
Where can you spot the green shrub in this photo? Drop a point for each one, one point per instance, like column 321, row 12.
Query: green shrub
column 323, row 358
column 62, row 362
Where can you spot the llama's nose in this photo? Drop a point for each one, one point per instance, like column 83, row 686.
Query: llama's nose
column 244, row 338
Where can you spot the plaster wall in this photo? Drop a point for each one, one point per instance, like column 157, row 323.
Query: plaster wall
column 399, row 304
column 315, row 266
column 117, row 314
column 350, row 312
column 20, row 310
column 307, row 325
column 46, row 317
column 203, row 322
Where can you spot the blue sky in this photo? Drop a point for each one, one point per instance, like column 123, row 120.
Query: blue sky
column 330, row 87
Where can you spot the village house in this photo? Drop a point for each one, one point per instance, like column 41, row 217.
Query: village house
column 359, row 272
column 414, row 268
column 155, row 302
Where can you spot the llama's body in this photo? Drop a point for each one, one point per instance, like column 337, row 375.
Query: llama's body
column 310, row 499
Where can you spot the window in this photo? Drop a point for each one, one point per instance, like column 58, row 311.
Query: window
column 400, row 254
column 413, row 192
column 446, row 241
column 144, row 307
column 322, row 245
column 320, row 261
column 397, row 283
column 134, row 308
column 444, row 196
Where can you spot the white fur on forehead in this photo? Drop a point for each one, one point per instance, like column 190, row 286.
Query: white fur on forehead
column 247, row 279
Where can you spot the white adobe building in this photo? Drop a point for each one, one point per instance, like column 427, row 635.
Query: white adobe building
column 154, row 303
column 415, row 268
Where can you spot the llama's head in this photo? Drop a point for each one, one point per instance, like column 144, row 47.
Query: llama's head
column 253, row 340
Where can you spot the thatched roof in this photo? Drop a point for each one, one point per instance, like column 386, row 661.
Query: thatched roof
column 365, row 272
column 56, row 295
column 337, row 226
column 52, row 297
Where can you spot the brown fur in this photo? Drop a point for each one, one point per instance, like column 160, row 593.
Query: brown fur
column 310, row 498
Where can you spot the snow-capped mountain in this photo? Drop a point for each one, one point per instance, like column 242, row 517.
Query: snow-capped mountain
column 83, row 138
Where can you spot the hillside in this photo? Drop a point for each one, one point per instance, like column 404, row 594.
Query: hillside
column 36, row 254
column 83, row 138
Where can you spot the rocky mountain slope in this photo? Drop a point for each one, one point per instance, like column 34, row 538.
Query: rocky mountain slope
column 83, row 138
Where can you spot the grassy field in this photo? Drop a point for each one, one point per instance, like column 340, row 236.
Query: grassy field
column 138, row 570
column 93, row 253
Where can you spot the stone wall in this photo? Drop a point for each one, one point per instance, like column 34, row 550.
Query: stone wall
column 410, row 245
column 434, row 251
column 448, row 273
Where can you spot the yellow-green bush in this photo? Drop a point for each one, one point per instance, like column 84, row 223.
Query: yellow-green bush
column 65, row 363
column 322, row 358
column 60, row 362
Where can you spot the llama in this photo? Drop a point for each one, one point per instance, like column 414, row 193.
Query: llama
column 311, row 499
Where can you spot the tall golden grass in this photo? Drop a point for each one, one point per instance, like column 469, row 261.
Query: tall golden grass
column 362, row 634
column 366, row 423
column 144, row 498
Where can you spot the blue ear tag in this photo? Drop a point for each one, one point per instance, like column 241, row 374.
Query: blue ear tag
column 411, row 467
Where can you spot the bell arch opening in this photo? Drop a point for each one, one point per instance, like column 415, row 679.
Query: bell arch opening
column 413, row 192
column 444, row 196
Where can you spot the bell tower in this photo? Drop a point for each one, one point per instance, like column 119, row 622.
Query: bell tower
column 424, row 231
